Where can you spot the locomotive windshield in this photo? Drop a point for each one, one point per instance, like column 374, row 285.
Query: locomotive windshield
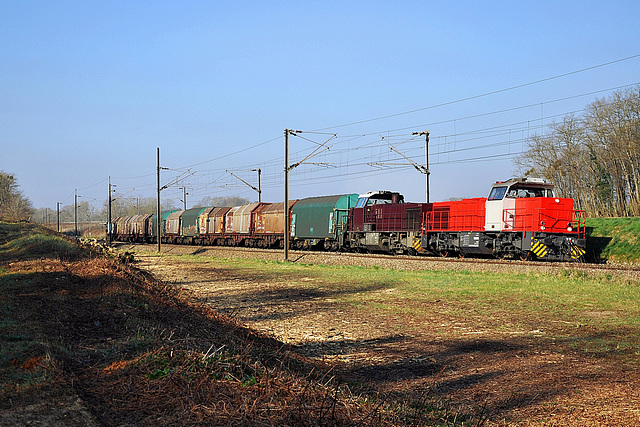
column 529, row 192
column 521, row 188
column 497, row 193
column 379, row 198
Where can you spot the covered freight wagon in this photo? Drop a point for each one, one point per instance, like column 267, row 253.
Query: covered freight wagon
column 153, row 224
column 172, row 231
column 269, row 224
column 215, row 220
column 241, row 221
column 190, row 224
column 320, row 221
column 140, row 227
column 270, row 218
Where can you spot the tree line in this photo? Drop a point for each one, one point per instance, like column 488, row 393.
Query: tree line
column 593, row 158
column 123, row 207
column 14, row 206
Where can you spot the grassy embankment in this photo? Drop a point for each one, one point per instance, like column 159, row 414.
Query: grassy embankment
column 614, row 239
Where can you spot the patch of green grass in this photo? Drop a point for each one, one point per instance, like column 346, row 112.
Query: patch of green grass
column 616, row 239
column 34, row 242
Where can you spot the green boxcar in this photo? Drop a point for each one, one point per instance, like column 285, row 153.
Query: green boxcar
column 154, row 223
column 191, row 222
column 317, row 219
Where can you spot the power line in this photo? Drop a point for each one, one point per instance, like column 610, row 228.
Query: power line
column 367, row 148
column 482, row 95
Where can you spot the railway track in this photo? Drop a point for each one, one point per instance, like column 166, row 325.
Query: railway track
column 392, row 261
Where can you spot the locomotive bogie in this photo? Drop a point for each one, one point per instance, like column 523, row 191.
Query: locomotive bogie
column 380, row 241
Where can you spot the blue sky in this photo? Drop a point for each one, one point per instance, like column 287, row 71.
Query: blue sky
column 88, row 90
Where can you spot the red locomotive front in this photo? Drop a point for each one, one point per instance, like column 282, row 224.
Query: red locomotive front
column 522, row 217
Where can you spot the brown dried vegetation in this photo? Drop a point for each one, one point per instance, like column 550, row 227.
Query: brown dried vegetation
column 89, row 341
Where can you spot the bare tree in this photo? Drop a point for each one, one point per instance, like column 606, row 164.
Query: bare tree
column 595, row 159
column 13, row 205
column 222, row 202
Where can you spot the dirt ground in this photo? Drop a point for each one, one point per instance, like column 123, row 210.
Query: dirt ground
column 501, row 377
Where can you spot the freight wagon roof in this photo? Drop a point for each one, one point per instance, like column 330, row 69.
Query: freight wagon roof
column 262, row 208
column 246, row 209
column 340, row 199
column 175, row 215
column 277, row 207
column 142, row 218
column 206, row 211
column 234, row 209
column 217, row 212
column 190, row 216
column 165, row 214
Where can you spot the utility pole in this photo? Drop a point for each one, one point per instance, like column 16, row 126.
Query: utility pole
column 259, row 184
column 159, row 217
column 426, row 159
column 109, row 231
column 287, row 227
column 258, row 190
column 184, row 197
column 427, row 172
column 287, row 168
column 175, row 181
column 75, row 212
column 58, row 217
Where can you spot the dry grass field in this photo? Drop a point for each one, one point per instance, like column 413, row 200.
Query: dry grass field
column 193, row 339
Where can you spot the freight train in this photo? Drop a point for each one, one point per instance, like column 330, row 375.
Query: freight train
column 521, row 218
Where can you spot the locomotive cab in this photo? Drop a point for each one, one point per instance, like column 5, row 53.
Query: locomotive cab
column 379, row 198
column 501, row 203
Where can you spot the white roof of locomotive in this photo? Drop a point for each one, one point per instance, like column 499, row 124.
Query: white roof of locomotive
column 528, row 180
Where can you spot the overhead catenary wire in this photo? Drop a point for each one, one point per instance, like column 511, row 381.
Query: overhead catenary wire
column 357, row 147
column 469, row 98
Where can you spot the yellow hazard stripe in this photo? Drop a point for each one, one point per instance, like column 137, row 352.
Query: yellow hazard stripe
column 538, row 248
column 417, row 243
column 576, row 252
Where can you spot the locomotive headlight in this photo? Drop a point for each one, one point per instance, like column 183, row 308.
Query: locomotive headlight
column 542, row 227
column 569, row 227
